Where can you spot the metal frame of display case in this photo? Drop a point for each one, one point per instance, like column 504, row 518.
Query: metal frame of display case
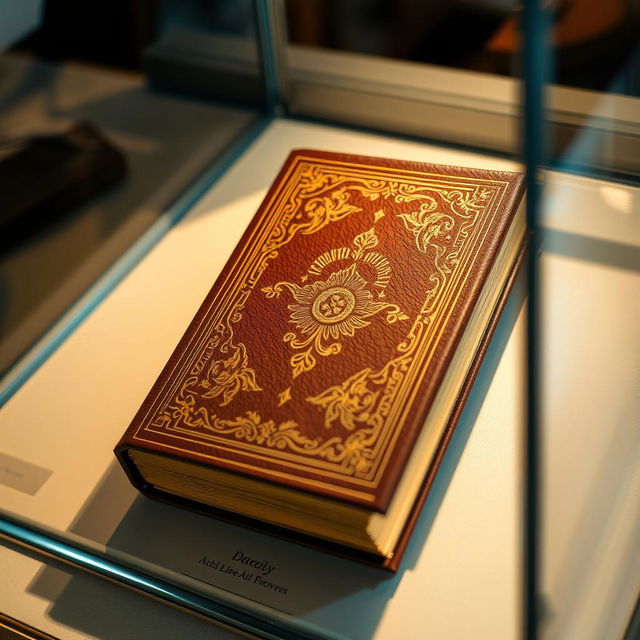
column 302, row 93
column 147, row 584
column 536, row 71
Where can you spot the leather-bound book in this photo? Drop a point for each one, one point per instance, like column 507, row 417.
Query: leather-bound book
column 315, row 390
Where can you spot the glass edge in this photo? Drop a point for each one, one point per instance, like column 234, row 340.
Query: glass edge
column 536, row 66
column 271, row 29
column 70, row 554
column 108, row 281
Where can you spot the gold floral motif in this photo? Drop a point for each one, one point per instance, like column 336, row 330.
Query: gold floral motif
column 363, row 242
column 361, row 404
column 466, row 203
column 352, row 455
column 249, row 427
column 350, row 403
column 377, row 189
column 317, row 213
column 426, row 224
column 225, row 376
column 327, row 310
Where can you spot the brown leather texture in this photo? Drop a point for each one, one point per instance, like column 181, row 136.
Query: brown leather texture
column 315, row 357
column 390, row 564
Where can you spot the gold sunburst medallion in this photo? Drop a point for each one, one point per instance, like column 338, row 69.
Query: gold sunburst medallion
column 327, row 310
column 333, row 305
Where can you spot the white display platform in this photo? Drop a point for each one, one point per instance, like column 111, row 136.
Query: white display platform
column 460, row 577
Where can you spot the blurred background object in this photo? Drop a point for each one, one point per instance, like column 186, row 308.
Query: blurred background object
column 46, row 177
column 67, row 215
column 591, row 38
column 18, row 19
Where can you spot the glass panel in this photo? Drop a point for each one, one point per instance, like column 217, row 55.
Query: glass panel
column 408, row 67
column 103, row 126
column 592, row 41
column 425, row 69
column 465, row 35
column 590, row 373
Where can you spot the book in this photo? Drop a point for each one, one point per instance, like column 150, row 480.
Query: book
column 314, row 392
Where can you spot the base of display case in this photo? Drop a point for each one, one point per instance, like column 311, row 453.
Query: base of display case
column 464, row 554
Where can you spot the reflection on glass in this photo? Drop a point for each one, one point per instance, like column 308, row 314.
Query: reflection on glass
column 590, row 272
column 593, row 41
column 103, row 125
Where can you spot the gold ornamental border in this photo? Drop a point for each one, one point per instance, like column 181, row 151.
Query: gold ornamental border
column 261, row 449
column 235, row 278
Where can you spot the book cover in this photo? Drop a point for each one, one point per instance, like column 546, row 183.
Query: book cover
column 319, row 350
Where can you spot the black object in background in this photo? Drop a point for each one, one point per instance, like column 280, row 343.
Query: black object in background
column 112, row 33
column 50, row 176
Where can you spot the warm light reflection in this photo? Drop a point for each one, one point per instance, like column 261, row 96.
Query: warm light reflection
column 617, row 197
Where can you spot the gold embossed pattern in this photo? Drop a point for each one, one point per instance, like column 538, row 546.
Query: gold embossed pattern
column 310, row 349
column 328, row 310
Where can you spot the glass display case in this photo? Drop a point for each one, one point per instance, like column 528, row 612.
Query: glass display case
column 531, row 527
column 101, row 71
